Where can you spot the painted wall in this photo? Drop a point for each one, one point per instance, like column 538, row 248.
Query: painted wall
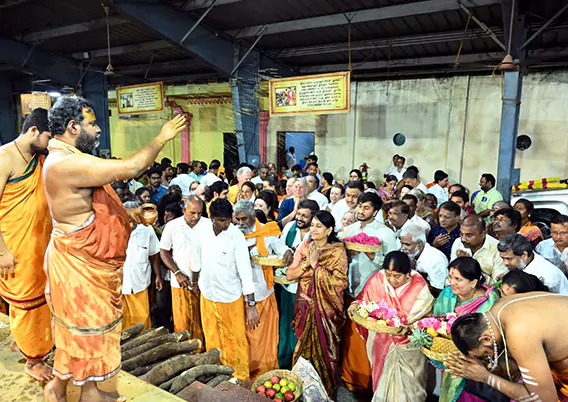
column 449, row 123
column 207, row 126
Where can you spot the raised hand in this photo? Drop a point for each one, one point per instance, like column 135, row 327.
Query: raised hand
column 7, row 263
column 173, row 128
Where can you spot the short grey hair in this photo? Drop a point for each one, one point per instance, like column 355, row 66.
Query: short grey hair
column 246, row 207
column 243, row 170
column 416, row 233
column 516, row 243
column 419, row 194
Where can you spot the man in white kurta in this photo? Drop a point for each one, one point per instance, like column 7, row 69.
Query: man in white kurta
column 262, row 240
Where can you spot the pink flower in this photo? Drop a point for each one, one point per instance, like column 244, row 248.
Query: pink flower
column 430, row 322
column 376, row 314
column 389, row 313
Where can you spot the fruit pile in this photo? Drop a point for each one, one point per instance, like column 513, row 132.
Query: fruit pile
column 279, row 390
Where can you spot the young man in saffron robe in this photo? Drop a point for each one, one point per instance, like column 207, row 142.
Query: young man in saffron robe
column 25, row 226
column 262, row 240
column 88, row 247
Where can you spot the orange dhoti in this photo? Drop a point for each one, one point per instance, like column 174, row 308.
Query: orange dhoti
column 356, row 373
column 136, row 308
column 224, row 328
column 263, row 341
column 25, row 223
column 85, row 291
column 561, row 382
column 187, row 313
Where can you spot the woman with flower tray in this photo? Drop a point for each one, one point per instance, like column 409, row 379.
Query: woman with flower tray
column 399, row 371
column 466, row 294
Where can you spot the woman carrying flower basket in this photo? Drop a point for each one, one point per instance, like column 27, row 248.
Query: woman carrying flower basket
column 319, row 313
column 466, row 294
column 399, row 371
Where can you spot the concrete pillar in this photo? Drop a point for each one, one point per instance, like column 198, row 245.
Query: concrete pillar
column 507, row 175
column 8, row 129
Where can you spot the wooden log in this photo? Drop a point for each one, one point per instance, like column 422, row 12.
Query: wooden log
column 189, row 376
column 218, row 380
column 152, row 343
column 177, row 364
column 137, row 372
column 142, row 339
column 161, row 352
column 131, row 332
column 168, row 384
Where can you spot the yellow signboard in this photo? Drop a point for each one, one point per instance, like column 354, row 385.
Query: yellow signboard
column 314, row 94
column 143, row 98
column 33, row 101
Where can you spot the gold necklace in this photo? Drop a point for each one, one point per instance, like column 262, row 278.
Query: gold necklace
column 21, row 154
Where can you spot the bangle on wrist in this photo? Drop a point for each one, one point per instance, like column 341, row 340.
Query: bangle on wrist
column 177, row 272
column 2, row 254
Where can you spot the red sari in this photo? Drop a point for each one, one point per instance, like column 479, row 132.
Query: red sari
column 399, row 371
column 319, row 313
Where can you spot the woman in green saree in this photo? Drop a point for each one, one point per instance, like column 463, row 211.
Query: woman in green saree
column 466, row 294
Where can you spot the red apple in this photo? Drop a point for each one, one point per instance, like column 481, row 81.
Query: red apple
column 289, row 396
column 270, row 392
column 261, row 389
column 260, row 393
column 277, row 400
column 275, row 380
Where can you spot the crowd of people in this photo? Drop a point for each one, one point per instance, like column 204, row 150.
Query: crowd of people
column 189, row 264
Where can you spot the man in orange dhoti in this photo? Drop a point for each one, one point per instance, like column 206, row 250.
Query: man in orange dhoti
column 176, row 252
column 262, row 240
column 88, row 247
column 222, row 261
column 25, row 225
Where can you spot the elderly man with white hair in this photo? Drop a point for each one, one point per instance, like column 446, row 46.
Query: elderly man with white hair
column 244, row 174
column 262, row 240
column 430, row 261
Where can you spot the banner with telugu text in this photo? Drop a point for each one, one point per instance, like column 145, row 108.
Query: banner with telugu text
column 30, row 102
column 143, row 98
column 313, row 94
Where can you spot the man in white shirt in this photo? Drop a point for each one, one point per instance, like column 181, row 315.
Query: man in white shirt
column 293, row 234
column 412, row 203
column 312, row 183
column 262, row 175
column 412, row 178
column 517, row 253
column 555, row 249
column 183, row 179
column 353, row 191
column 291, row 157
column 222, row 262
column 361, row 267
column 211, row 176
column 177, row 249
column 398, row 169
column 262, row 240
column 141, row 258
column 440, row 187
column 391, row 167
column 475, row 242
column 398, row 217
column 429, row 260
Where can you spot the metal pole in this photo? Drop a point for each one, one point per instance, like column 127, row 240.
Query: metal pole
column 484, row 27
column 198, row 22
column 550, row 21
column 509, row 129
column 262, row 32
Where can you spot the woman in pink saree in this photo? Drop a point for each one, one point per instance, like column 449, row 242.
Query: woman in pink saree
column 319, row 312
column 399, row 370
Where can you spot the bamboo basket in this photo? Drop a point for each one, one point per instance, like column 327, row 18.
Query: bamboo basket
column 363, row 248
column 269, row 260
column 287, row 374
column 371, row 324
column 440, row 350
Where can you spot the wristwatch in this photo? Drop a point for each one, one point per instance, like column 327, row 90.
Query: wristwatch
column 251, row 303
